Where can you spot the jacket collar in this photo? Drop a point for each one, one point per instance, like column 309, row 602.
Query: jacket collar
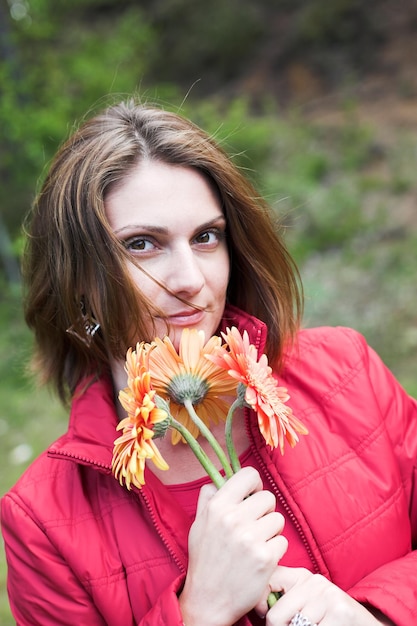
column 92, row 426
column 256, row 329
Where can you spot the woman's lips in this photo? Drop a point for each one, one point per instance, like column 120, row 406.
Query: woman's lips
column 186, row 318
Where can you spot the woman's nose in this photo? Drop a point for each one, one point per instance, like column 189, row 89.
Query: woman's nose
column 185, row 275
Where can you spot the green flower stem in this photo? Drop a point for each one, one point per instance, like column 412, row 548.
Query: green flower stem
column 234, row 459
column 211, row 470
column 273, row 597
column 206, row 432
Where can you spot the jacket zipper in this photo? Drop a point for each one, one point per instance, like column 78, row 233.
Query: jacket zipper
column 273, row 485
column 178, row 561
column 84, row 460
column 275, row 490
column 87, row 461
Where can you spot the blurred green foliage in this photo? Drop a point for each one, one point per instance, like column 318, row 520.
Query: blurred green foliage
column 54, row 69
column 59, row 60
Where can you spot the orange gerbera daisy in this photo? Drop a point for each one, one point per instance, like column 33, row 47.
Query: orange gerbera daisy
column 188, row 375
column 276, row 420
column 135, row 445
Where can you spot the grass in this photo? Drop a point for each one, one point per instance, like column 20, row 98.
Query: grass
column 344, row 197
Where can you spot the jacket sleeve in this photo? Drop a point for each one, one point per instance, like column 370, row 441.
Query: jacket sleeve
column 43, row 590
column 166, row 610
column 393, row 587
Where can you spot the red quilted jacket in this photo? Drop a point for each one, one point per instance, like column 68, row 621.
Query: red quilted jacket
column 83, row 550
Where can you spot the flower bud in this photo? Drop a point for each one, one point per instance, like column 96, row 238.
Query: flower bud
column 160, row 428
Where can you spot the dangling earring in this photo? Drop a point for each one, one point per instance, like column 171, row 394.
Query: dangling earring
column 89, row 325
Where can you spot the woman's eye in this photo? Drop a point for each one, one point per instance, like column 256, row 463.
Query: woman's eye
column 139, row 244
column 209, row 237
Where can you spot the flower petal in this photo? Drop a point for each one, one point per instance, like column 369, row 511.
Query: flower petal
column 188, row 369
column 277, row 422
column 135, row 444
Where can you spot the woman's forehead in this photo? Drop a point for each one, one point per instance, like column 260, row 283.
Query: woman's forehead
column 160, row 195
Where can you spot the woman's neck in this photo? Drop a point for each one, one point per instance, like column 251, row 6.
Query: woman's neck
column 184, row 466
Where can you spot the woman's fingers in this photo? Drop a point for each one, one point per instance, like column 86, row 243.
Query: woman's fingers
column 206, row 494
column 236, row 538
column 286, row 578
column 315, row 597
column 242, row 484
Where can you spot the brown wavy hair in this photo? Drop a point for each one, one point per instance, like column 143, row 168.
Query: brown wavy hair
column 73, row 257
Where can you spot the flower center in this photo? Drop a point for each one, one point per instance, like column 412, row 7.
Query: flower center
column 187, row 387
column 258, row 378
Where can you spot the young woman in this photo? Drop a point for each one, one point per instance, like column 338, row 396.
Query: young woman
column 144, row 227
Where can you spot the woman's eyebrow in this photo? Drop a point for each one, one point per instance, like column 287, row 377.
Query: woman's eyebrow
column 219, row 219
column 161, row 230
column 148, row 227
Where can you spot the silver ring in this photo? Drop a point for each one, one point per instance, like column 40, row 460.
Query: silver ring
column 301, row 620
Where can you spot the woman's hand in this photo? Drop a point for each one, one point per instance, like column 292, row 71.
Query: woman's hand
column 319, row 600
column 235, row 544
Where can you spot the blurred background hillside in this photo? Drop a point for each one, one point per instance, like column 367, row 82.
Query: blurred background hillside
column 316, row 100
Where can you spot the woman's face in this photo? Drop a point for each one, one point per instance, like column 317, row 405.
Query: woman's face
column 171, row 222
